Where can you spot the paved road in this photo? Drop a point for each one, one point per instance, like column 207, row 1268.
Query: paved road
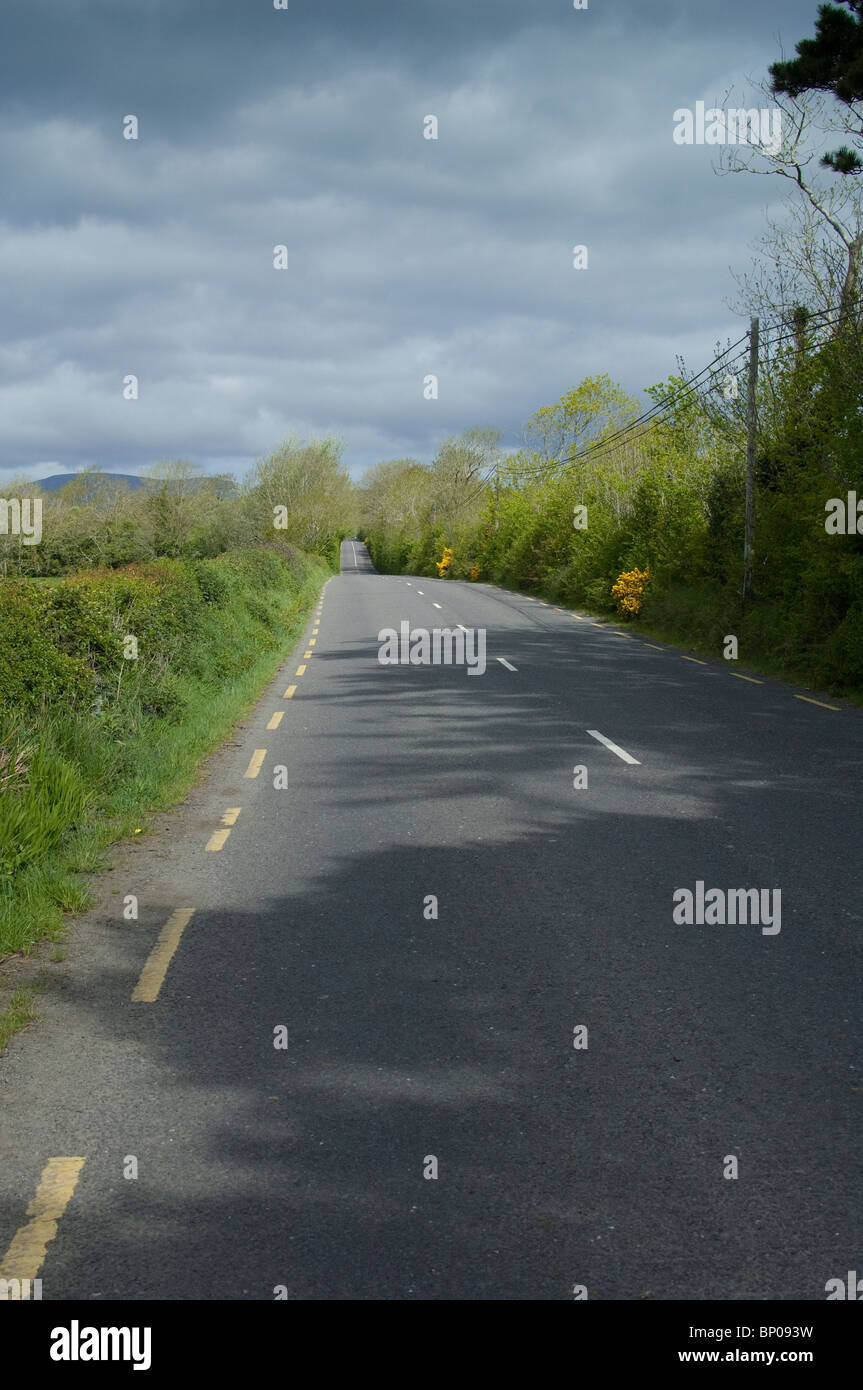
column 412, row 1038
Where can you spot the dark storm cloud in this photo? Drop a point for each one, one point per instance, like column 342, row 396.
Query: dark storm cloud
column 407, row 256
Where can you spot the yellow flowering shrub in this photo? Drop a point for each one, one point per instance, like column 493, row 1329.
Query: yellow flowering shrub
column 629, row 591
column 444, row 562
column 474, row 574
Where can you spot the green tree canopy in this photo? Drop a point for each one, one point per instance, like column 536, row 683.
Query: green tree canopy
column 830, row 62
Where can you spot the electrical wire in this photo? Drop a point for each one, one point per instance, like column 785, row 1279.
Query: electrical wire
column 631, row 432
column 644, row 424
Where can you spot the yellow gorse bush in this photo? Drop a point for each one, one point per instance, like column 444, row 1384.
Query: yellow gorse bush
column 629, row 591
column 474, row 574
column 444, row 562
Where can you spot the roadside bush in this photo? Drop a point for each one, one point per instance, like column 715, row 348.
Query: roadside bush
column 34, row 671
column 628, row 592
column 91, row 742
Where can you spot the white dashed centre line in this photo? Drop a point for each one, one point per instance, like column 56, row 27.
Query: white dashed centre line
column 503, row 661
column 621, row 752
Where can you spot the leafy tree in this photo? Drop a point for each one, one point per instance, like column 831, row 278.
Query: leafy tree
column 582, row 416
column 307, row 481
column 831, row 62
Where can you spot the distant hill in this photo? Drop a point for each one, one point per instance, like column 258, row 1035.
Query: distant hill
column 224, row 484
column 58, row 480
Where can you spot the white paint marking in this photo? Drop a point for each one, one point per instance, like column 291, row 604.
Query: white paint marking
column 437, row 605
column 420, row 592
column 503, row 661
column 621, row 752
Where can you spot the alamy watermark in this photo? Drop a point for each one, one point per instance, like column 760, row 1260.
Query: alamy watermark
column 850, row 1289
column 714, row 125
column 77, row 1343
column 20, row 1290
column 21, row 517
column 442, row 646
column 719, row 906
column 844, row 520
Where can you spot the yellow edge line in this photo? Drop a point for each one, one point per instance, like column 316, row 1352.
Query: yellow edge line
column 301, row 670
column 737, row 676
column 654, row 646
column 153, row 975
column 217, row 839
column 255, row 764
column 230, row 816
column 289, row 693
column 312, row 642
column 26, row 1253
column 836, row 709
column 307, row 655
column 695, row 659
column 276, row 719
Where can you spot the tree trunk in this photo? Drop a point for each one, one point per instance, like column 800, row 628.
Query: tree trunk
column 850, row 288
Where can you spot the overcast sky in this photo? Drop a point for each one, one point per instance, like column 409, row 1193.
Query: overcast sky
column 406, row 256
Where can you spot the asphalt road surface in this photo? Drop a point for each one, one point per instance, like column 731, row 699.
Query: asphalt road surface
column 319, row 1043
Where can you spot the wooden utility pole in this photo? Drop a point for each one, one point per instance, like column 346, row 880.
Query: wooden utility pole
column 751, row 425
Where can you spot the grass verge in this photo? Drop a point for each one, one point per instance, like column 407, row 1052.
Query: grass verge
column 99, row 740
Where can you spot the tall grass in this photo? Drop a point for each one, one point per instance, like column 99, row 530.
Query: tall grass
column 96, row 742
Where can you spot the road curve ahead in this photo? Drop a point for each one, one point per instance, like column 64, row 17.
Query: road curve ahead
column 436, row 1026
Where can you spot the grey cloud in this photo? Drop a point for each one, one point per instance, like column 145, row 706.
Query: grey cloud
column 406, row 256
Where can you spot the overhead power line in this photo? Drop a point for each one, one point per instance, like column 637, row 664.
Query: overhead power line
column 643, row 424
